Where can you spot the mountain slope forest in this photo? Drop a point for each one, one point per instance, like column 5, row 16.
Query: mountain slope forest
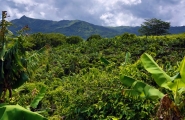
column 83, row 78
column 77, row 28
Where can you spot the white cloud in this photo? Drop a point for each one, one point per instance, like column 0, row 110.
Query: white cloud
column 24, row 2
column 99, row 12
column 42, row 14
column 113, row 2
column 107, row 17
column 120, row 19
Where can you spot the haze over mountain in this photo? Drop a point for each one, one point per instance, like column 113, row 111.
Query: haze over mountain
column 77, row 27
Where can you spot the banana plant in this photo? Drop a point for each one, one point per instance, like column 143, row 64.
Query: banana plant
column 176, row 84
column 12, row 62
column 20, row 113
column 14, row 72
column 15, row 66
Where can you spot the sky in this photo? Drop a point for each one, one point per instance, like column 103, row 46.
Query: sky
column 98, row 12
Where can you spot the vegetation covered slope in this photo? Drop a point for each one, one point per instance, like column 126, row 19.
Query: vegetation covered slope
column 83, row 78
column 77, row 27
column 66, row 27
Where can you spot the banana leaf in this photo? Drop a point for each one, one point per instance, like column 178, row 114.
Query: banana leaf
column 38, row 98
column 182, row 70
column 160, row 77
column 139, row 88
column 16, row 112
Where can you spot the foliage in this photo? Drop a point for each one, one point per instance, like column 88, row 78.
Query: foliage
column 14, row 72
column 175, row 84
column 154, row 27
column 38, row 98
column 13, row 63
column 38, row 40
column 128, row 36
column 139, row 88
column 93, row 95
column 95, row 36
column 74, row 40
column 82, row 79
column 16, row 112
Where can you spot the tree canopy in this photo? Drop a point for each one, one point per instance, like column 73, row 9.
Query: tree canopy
column 154, row 27
column 94, row 36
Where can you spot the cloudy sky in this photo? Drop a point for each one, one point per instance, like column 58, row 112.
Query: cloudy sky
column 99, row 12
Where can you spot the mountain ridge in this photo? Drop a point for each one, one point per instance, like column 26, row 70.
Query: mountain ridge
column 77, row 27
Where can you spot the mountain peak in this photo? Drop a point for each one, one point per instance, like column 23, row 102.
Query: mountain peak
column 23, row 17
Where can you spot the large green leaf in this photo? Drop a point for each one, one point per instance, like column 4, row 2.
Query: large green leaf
column 127, row 81
column 139, row 88
column 16, row 112
column 160, row 77
column 176, row 84
column 182, row 70
column 152, row 93
column 38, row 98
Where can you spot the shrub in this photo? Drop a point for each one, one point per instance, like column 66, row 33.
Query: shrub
column 95, row 36
column 74, row 40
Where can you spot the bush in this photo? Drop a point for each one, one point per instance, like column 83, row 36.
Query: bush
column 128, row 36
column 55, row 39
column 95, row 36
column 74, row 40
column 38, row 40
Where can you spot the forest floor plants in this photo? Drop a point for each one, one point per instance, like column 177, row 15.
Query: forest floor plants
column 171, row 105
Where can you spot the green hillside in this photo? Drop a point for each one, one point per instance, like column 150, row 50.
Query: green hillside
column 56, row 76
column 66, row 27
column 83, row 78
column 77, row 27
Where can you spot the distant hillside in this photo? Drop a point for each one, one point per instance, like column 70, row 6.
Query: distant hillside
column 76, row 27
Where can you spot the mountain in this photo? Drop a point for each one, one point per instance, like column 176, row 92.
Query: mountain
column 69, row 27
column 76, row 27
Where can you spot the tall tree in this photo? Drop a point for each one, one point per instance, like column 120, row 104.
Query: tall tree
column 154, row 27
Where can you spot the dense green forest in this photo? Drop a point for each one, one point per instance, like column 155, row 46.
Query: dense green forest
column 83, row 77
column 58, row 77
